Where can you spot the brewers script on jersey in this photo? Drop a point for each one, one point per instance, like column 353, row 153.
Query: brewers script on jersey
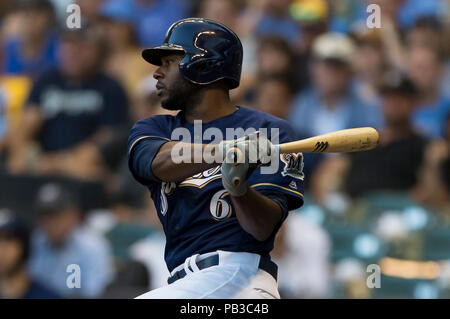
column 208, row 253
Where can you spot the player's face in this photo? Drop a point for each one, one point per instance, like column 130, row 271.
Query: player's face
column 175, row 92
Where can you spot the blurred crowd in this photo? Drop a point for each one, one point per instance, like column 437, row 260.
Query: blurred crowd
column 69, row 96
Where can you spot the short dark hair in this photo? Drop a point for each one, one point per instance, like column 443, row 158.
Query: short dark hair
column 395, row 81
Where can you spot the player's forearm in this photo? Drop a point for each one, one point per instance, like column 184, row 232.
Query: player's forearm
column 199, row 159
column 257, row 214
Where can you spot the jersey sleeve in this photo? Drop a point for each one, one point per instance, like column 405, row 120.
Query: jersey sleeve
column 286, row 178
column 144, row 141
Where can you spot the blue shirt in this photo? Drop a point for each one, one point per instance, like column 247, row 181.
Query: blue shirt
column 91, row 253
column 15, row 63
column 74, row 111
column 197, row 214
column 39, row 291
column 284, row 27
column 152, row 21
column 413, row 9
column 310, row 117
column 430, row 119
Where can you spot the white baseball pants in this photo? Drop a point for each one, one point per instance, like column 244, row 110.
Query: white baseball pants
column 236, row 276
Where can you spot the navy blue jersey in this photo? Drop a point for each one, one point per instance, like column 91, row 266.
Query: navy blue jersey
column 197, row 214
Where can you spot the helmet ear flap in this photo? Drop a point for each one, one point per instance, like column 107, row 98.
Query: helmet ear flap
column 205, row 66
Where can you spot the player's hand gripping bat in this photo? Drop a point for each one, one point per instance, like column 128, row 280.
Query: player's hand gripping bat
column 343, row 141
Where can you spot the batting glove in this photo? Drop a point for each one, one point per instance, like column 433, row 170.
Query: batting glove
column 234, row 178
column 255, row 148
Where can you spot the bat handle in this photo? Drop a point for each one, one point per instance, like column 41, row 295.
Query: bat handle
column 234, row 156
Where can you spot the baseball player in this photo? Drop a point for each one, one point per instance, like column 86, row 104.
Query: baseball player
column 220, row 218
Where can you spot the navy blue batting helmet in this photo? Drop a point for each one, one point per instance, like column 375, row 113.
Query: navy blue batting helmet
column 212, row 52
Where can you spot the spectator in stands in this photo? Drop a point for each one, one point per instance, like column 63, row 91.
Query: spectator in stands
column 14, row 90
column 130, row 224
column 426, row 32
column 446, row 163
column 61, row 240
column 90, row 11
column 312, row 17
column 71, row 112
column 345, row 14
column 393, row 165
column 259, row 20
column 425, row 67
column 276, row 20
column 274, row 96
column 412, row 10
column 330, row 104
column 429, row 32
column 274, row 57
column 3, row 121
column 15, row 282
column 223, row 11
column 369, row 65
column 435, row 189
column 302, row 252
column 34, row 49
column 444, row 167
column 5, row 6
column 154, row 17
column 124, row 60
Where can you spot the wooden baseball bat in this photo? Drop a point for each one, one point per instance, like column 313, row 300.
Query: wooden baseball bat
column 343, row 141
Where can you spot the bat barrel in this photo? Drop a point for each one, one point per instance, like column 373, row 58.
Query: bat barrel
column 349, row 140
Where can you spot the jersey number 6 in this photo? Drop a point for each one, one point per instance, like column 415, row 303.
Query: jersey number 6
column 220, row 209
